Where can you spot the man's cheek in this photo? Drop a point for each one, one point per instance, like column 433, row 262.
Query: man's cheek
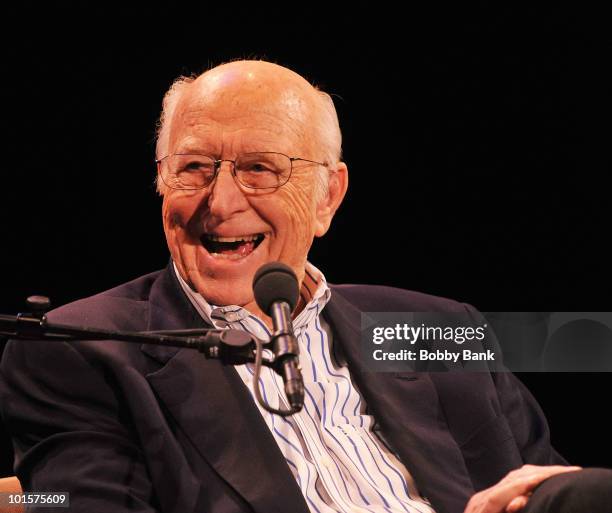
column 297, row 222
column 172, row 226
column 297, row 200
column 299, row 227
column 176, row 214
column 180, row 207
column 173, row 220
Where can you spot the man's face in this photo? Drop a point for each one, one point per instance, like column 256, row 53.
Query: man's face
column 223, row 118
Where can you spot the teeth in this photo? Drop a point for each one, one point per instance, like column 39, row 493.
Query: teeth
column 234, row 256
column 245, row 238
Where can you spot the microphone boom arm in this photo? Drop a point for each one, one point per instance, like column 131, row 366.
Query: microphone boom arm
column 232, row 347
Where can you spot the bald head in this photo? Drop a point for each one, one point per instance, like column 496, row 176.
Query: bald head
column 242, row 87
column 257, row 84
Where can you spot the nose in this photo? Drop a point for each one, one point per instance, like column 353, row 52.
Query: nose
column 226, row 197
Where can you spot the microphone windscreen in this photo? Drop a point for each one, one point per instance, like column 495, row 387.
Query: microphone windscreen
column 275, row 281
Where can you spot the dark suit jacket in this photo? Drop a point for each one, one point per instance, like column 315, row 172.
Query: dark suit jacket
column 124, row 427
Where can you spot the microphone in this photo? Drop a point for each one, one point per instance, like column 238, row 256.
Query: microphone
column 275, row 287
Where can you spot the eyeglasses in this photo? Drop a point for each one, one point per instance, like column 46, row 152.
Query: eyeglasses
column 258, row 170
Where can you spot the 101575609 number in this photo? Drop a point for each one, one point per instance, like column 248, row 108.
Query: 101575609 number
column 49, row 499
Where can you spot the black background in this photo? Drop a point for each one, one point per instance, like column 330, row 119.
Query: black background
column 476, row 138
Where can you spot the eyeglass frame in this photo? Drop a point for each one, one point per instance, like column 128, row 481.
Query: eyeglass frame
column 217, row 166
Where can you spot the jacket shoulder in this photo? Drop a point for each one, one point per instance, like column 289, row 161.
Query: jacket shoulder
column 122, row 307
column 377, row 298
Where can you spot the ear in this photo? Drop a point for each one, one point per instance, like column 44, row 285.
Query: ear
column 327, row 206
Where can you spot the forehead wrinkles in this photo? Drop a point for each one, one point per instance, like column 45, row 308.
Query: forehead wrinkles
column 210, row 121
column 278, row 109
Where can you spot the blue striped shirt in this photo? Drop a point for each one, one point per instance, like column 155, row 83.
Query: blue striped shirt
column 336, row 457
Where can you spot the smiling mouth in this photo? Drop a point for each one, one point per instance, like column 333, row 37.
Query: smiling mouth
column 231, row 248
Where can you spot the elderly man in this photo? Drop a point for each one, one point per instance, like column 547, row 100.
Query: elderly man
column 250, row 172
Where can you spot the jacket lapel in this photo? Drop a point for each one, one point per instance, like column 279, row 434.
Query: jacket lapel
column 213, row 408
column 407, row 409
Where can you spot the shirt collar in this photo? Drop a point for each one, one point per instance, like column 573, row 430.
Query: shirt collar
column 315, row 293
